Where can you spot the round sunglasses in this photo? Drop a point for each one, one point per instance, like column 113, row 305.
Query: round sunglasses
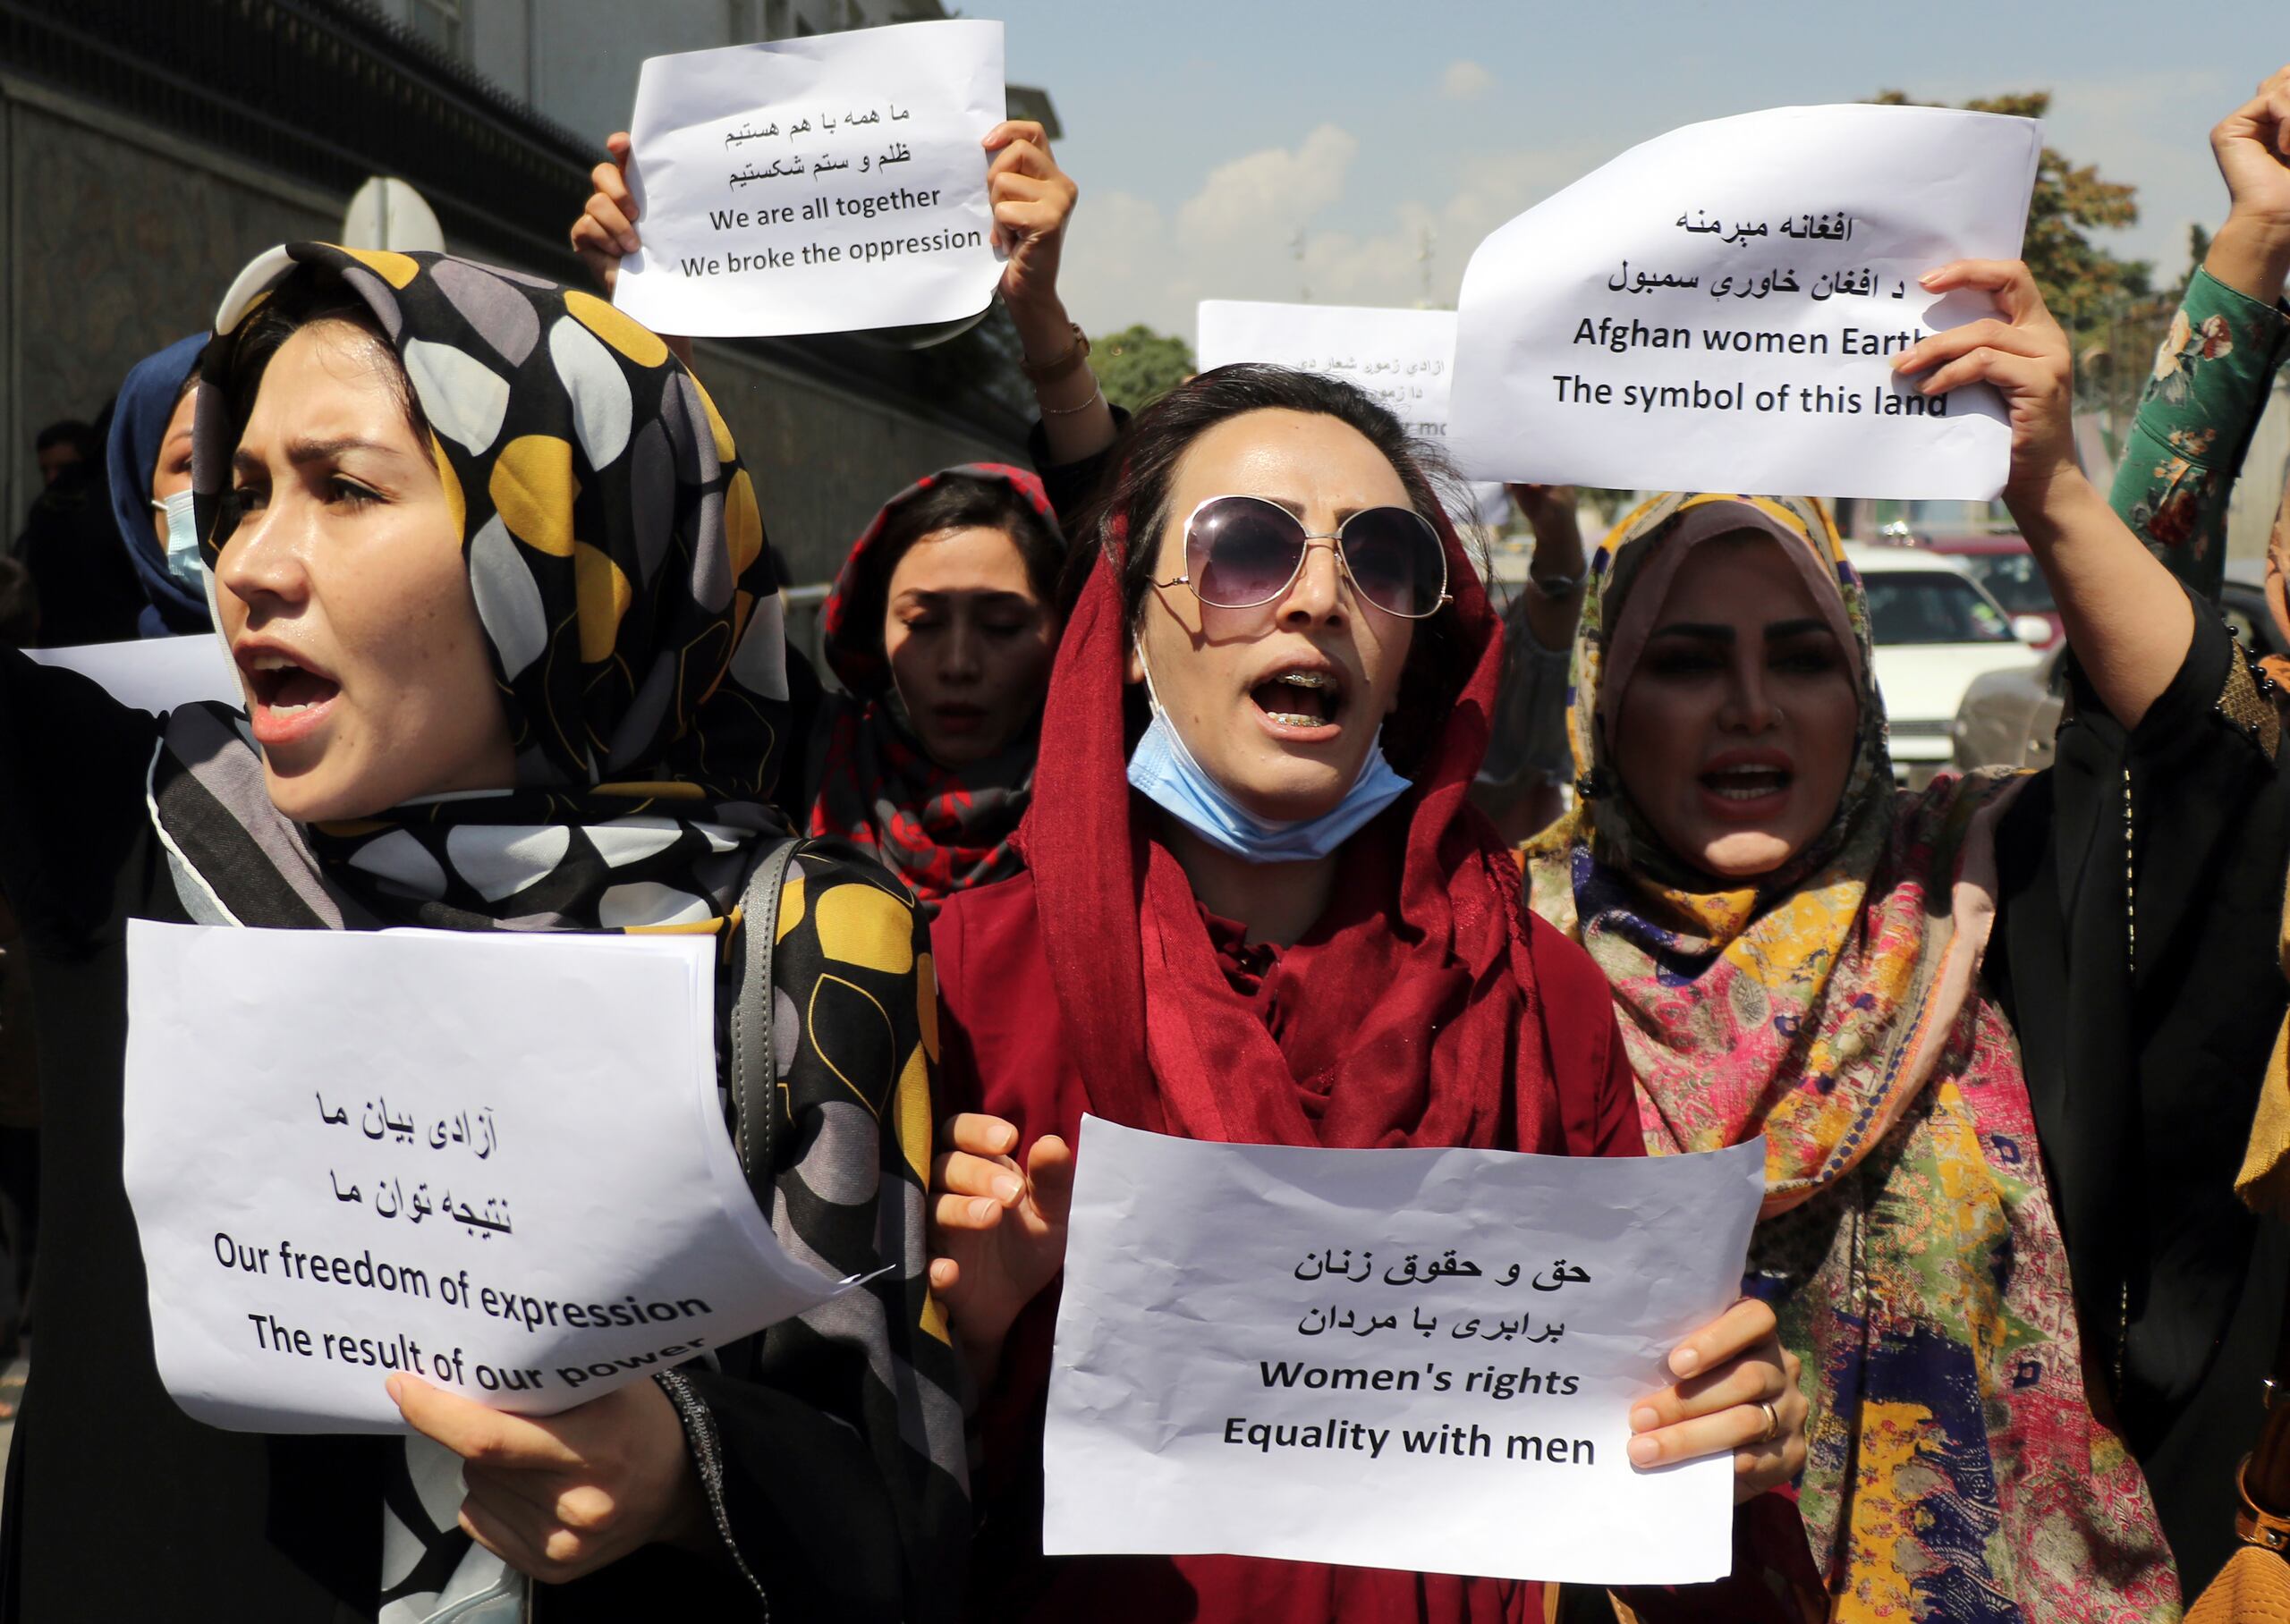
column 1243, row 551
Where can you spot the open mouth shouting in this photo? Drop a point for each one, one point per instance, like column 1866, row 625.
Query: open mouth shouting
column 1747, row 786
column 1300, row 700
column 288, row 697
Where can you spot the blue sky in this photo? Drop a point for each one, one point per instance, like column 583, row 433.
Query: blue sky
column 1208, row 138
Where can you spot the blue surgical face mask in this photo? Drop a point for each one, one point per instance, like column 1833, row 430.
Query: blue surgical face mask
column 1165, row 772
column 183, row 562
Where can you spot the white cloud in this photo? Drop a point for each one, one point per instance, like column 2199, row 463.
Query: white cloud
column 1237, row 236
column 1269, row 190
column 1465, row 82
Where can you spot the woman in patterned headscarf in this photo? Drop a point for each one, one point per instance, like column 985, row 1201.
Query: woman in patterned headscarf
column 495, row 581
column 1911, row 996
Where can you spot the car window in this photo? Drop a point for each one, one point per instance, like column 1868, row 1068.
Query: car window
column 2012, row 581
column 1927, row 606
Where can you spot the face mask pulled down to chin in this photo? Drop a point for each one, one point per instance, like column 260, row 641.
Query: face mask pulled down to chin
column 1165, row 772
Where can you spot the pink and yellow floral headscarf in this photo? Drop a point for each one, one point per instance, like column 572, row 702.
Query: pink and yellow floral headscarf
column 1909, row 1241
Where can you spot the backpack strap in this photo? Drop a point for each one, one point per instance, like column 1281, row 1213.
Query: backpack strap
column 753, row 1073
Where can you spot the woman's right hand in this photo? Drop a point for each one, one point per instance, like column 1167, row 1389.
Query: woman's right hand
column 2250, row 254
column 998, row 1230
column 606, row 232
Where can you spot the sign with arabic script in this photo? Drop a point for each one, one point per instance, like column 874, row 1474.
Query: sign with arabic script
column 494, row 1160
column 1418, row 1359
column 1718, row 309
column 823, row 184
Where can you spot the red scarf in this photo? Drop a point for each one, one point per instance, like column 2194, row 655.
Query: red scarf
column 1428, row 1027
column 939, row 829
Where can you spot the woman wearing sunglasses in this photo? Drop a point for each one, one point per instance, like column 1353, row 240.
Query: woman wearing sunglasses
column 1258, row 908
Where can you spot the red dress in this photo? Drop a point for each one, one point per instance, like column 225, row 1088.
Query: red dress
column 1003, row 1049
column 1425, row 1007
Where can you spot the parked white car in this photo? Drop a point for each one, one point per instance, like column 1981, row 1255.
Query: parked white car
column 2011, row 718
column 1935, row 628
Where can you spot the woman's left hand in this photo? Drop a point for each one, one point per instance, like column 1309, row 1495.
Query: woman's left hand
column 1033, row 199
column 2023, row 353
column 560, row 1496
column 1737, row 1390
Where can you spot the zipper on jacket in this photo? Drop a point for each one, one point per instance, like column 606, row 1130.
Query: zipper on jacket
column 2130, row 976
column 707, row 1457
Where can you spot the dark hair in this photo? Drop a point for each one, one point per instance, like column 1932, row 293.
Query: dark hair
column 957, row 502
column 302, row 300
column 70, row 431
column 1134, row 502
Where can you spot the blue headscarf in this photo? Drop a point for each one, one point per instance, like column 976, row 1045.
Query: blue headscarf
column 139, row 423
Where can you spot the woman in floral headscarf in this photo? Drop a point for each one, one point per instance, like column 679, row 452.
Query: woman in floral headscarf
column 495, row 583
column 1929, row 1005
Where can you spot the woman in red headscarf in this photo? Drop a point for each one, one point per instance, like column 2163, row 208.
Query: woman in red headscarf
column 941, row 629
column 1257, row 908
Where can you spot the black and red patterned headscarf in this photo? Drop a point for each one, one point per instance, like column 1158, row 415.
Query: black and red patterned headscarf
column 941, row 829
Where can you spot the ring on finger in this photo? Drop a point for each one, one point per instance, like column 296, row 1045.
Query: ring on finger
column 1772, row 1422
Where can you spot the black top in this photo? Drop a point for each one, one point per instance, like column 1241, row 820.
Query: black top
column 2145, row 1013
column 120, row 1506
column 71, row 543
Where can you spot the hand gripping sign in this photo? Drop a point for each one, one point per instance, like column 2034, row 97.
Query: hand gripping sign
column 823, row 184
column 493, row 1159
column 1416, row 1360
column 1717, row 310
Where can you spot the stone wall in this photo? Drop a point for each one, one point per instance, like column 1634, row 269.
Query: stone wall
column 115, row 240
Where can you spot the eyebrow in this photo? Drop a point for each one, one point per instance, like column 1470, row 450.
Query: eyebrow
column 300, row 453
column 1710, row 632
column 983, row 594
column 1296, row 509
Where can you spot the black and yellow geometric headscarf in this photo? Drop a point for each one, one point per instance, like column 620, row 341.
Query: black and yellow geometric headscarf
column 615, row 551
column 616, row 558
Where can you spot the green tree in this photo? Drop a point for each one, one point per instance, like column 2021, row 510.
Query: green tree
column 2114, row 314
column 1137, row 365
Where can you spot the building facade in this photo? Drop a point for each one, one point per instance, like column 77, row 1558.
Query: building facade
column 148, row 150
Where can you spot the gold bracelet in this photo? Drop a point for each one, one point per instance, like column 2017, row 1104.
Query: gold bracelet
column 1065, row 366
column 1096, row 393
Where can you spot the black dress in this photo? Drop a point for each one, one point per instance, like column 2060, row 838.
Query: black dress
column 2141, row 890
column 118, row 1507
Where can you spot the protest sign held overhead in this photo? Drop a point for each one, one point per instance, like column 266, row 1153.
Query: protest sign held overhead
column 1718, row 310
column 822, row 184
column 493, row 1159
column 1415, row 1360
column 1404, row 359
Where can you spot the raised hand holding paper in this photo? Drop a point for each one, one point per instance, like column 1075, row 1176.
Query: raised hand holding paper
column 1415, row 1360
column 816, row 185
column 494, row 1161
column 1717, row 310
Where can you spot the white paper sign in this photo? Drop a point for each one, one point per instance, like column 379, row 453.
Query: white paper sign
column 1717, row 310
column 494, row 1160
column 1405, row 359
column 1416, row 1359
column 154, row 673
column 816, row 185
